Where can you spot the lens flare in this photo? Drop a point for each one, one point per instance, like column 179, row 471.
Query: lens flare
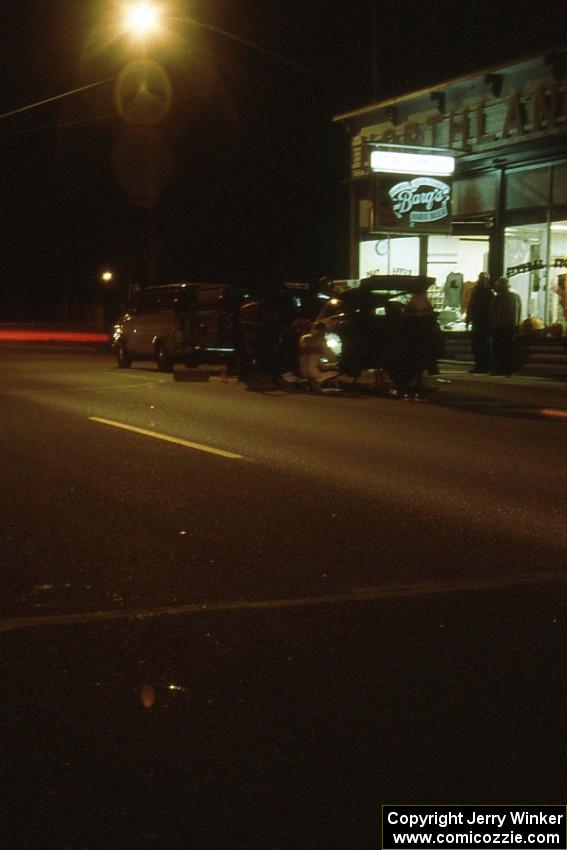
column 148, row 696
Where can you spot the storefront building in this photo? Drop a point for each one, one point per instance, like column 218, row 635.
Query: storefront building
column 484, row 187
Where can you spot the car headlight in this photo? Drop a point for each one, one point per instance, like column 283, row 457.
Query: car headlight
column 335, row 343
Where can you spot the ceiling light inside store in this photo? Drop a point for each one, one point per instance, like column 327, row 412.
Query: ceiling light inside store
column 397, row 162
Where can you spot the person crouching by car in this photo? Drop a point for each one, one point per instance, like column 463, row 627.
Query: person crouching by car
column 425, row 338
column 313, row 352
column 288, row 353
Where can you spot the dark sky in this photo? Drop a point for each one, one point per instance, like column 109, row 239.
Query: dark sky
column 243, row 177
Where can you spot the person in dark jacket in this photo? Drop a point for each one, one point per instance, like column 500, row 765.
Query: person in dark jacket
column 396, row 354
column 504, row 320
column 478, row 317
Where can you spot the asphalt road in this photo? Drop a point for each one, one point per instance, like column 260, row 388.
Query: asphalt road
column 234, row 619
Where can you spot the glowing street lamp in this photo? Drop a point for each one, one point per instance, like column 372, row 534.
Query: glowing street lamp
column 106, row 277
column 142, row 19
column 146, row 18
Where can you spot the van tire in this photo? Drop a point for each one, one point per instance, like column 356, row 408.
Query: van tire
column 123, row 359
column 163, row 360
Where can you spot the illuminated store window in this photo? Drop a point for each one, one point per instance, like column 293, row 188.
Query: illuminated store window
column 557, row 300
column 455, row 262
column 528, row 244
column 389, row 255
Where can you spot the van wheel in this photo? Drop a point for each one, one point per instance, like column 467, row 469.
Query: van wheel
column 163, row 360
column 122, row 357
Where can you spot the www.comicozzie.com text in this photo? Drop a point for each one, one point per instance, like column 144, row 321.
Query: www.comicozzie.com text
column 508, row 839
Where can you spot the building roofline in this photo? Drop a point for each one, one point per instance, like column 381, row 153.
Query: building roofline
column 492, row 69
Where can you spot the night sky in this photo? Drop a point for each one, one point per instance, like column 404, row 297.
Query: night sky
column 227, row 166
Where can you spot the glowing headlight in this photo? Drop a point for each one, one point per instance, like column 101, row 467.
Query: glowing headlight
column 335, row 343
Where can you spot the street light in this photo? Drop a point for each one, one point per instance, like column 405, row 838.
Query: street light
column 142, row 19
column 146, row 18
column 106, row 277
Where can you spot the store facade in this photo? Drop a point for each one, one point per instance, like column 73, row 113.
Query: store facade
column 464, row 177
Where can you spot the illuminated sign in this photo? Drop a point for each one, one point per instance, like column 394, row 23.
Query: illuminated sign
column 399, row 162
column 423, row 200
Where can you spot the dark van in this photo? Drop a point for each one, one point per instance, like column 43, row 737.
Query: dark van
column 190, row 323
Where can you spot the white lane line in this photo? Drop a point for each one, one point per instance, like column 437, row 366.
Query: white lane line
column 167, row 438
column 357, row 594
column 91, row 389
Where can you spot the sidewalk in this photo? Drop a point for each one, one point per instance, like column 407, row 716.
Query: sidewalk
column 455, row 379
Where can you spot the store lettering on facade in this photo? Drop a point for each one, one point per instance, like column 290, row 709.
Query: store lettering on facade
column 487, row 122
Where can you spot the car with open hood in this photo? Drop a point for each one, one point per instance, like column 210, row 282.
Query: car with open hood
column 353, row 318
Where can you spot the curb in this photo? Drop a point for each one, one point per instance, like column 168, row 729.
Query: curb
column 454, row 379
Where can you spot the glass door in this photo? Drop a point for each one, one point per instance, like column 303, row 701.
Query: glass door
column 557, row 297
column 527, row 245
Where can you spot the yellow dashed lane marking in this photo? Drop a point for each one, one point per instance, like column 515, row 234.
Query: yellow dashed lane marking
column 168, row 438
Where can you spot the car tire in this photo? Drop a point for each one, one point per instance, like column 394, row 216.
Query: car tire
column 163, row 360
column 123, row 358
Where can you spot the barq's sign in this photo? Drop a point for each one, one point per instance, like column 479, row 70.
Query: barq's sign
column 425, row 199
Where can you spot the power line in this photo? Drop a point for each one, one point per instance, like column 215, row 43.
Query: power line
column 56, row 97
column 245, row 42
column 252, row 46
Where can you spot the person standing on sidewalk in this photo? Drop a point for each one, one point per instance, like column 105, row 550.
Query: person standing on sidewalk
column 478, row 317
column 504, row 320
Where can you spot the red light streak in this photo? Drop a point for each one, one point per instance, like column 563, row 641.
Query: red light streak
column 53, row 336
column 553, row 412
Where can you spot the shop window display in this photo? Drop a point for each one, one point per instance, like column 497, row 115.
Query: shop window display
column 543, row 248
column 532, row 241
column 557, row 310
column 389, row 255
column 455, row 263
column 527, row 245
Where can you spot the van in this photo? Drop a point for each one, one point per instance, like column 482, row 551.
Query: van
column 190, row 323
